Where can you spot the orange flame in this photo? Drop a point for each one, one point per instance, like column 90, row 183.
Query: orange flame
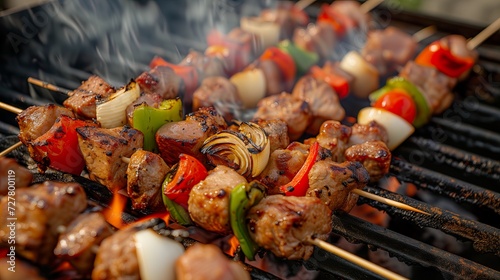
column 165, row 216
column 233, row 243
column 113, row 214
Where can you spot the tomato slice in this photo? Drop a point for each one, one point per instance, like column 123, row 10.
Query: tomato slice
column 398, row 102
column 284, row 61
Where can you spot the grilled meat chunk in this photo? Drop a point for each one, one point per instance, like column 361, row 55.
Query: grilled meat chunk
column 372, row 131
column 103, row 150
column 284, row 224
column 277, row 133
column 332, row 182
column 207, row 262
column 285, row 107
column 36, row 120
column 434, row 85
column 374, row 155
column 220, row 93
column 274, row 80
column 40, row 211
column 209, row 199
column 160, row 80
column 13, row 175
column 319, row 38
column 145, row 174
column 322, row 99
column 77, row 243
column 188, row 136
column 117, row 257
column 152, row 100
column 82, row 100
column 208, row 66
column 334, row 137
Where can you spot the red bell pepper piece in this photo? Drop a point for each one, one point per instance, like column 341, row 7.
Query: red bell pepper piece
column 190, row 172
column 58, row 147
column 333, row 18
column 300, row 183
column 444, row 60
column 284, row 61
column 338, row 83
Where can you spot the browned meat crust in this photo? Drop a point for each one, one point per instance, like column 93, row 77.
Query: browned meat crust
column 334, row 137
column 160, row 80
column 372, row 131
column 277, row 133
column 375, row 157
column 82, row 100
column 207, row 66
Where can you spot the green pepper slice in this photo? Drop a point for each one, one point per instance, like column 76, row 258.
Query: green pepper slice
column 423, row 109
column 148, row 119
column 177, row 212
column 241, row 199
column 303, row 59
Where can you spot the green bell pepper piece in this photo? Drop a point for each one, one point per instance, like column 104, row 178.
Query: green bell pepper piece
column 241, row 199
column 177, row 212
column 148, row 119
column 423, row 109
column 303, row 59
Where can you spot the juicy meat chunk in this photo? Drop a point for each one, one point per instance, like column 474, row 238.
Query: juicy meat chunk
column 332, row 182
column 374, row 155
column 103, row 150
column 207, row 262
column 318, row 38
column 372, row 131
column 334, row 137
column 434, row 85
column 117, row 257
column 145, row 174
column 285, row 107
column 287, row 16
column 284, row 224
column 77, row 243
column 13, row 175
column 208, row 66
column 152, row 100
column 277, row 133
column 209, row 199
column 40, row 211
column 36, row 120
column 82, row 100
column 322, row 99
column 161, row 80
column 188, row 136
column 220, row 93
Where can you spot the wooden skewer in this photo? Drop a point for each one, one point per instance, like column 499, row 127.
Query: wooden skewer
column 424, row 33
column 483, row 35
column 10, row 149
column 48, row 86
column 10, row 108
column 302, row 4
column 387, row 201
column 369, row 5
column 355, row 259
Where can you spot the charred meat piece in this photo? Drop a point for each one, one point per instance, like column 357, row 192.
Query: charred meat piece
column 277, row 133
column 332, row 182
column 334, row 137
column 145, row 174
column 374, row 155
column 372, row 131
column 207, row 262
column 40, row 211
column 434, row 85
column 82, row 100
column 285, row 107
column 188, row 136
column 160, row 80
column 220, row 93
column 78, row 242
column 284, row 224
column 13, row 175
column 152, row 100
column 322, row 99
column 208, row 66
column 103, row 150
column 209, row 199
column 117, row 257
column 36, row 120
column 389, row 49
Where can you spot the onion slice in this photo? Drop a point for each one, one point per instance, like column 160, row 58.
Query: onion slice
column 111, row 112
column 366, row 76
column 397, row 128
column 251, row 85
column 268, row 31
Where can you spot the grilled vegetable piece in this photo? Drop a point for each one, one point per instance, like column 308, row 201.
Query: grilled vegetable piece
column 11, row 171
column 82, row 100
column 145, row 174
column 366, row 76
column 40, row 211
column 77, row 243
column 110, row 112
column 152, row 100
column 103, row 150
column 283, row 224
column 375, row 157
column 300, row 182
column 251, row 84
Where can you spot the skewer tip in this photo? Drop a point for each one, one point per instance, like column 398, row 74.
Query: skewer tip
column 387, row 201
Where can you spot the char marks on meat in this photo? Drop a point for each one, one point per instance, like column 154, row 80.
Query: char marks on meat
column 276, row 131
column 145, row 174
column 160, row 80
column 334, row 137
column 40, row 211
column 207, row 262
column 374, row 155
column 209, row 199
column 103, row 150
column 188, row 136
column 10, row 170
column 284, row 224
column 372, row 131
column 207, row 66
column 82, row 100
column 333, row 182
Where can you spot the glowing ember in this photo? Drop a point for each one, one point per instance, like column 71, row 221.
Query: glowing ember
column 113, row 214
column 233, row 245
column 165, row 216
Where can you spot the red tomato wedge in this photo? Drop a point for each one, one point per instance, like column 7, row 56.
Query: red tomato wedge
column 398, row 102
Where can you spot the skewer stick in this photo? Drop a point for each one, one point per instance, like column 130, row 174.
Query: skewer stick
column 10, row 149
column 48, row 86
column 388, row 201
column 424, row 33
column 302, row 4
column 355, row 259
column 10, row 108
column 369, row 5
column 483, row 35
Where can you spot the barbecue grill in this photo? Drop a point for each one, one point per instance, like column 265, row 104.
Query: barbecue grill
column 453, row 160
